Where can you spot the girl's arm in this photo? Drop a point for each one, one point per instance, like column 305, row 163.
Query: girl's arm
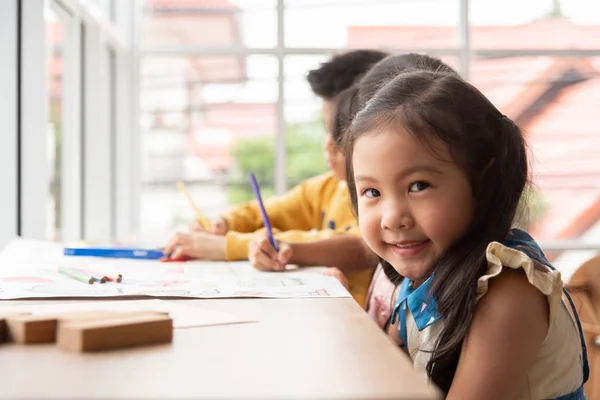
column 348, row 253
column 509, row 325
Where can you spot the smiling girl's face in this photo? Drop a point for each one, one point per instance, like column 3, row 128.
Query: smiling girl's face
column 414, row 202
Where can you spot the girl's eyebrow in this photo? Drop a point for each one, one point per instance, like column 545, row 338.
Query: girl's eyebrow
column 406, row 172
column 363, row 178
column 420, row 168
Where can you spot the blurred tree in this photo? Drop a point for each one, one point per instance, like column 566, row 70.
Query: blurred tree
column 304, row 144
column 532, row 208
column 556, row 9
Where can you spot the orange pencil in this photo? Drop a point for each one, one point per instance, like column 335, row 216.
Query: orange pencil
column 117, row 279
column 105, row 278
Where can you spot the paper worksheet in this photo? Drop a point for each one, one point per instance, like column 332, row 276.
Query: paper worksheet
column 29, row 269
column 183, row 315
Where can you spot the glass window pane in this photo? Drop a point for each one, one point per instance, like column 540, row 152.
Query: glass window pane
column 303, row 119
column 407, row 24
column 107, row 7
column 223, row 23
column 538, row 24
column 209, row 121
column 55, row 47
column 109, row 75
column 555, row 100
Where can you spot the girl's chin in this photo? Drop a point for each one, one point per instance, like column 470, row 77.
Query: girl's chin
column 419, row 276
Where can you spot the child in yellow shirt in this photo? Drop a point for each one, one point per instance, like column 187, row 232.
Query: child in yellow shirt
column 318, row 208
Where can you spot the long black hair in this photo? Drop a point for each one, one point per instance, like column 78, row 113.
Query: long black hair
column 350, row 100
column 490, row 150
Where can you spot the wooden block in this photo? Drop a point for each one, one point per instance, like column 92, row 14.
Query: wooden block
column 3, row 326
column 31, row 329
column 41, row 328
column 114, row 333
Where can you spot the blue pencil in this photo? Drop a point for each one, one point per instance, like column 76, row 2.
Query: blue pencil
column 114, row 252
column 265, row 217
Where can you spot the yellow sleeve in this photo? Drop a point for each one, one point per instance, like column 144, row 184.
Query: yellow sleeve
column 236, row 243
column 359, row 284
column 296, row 209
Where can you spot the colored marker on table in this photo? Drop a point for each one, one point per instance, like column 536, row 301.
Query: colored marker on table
column 77, row 275
column 265, row 217
column 114, row 252
column 117, row 278
column 101, row 277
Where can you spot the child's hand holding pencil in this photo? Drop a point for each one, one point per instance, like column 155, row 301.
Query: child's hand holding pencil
column 263, row 256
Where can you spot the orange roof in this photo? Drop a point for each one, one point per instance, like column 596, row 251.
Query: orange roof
column 565, row 140
column 552, row 33
column 213, row 23
column 512, row 83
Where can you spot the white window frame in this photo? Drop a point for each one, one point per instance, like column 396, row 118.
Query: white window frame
column 34, row 170
column 110, row 163
column 97, row 203
column 128, row 182
column 97, row 183
column 71, row 173
column 9, row 139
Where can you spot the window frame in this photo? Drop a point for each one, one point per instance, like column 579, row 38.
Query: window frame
column 25, row 111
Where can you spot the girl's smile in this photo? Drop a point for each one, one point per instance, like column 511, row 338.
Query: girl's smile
column 409, row 248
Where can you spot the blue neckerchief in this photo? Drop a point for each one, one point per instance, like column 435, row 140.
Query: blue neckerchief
column 421, row 305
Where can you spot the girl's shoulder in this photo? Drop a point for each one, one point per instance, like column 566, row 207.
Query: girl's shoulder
column 519, row 252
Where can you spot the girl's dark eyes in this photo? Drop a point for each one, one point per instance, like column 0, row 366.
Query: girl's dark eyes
column 418, row 186
column 415, row 187
column 371, row 193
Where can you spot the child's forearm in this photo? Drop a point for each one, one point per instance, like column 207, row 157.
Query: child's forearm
column 348, row 253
